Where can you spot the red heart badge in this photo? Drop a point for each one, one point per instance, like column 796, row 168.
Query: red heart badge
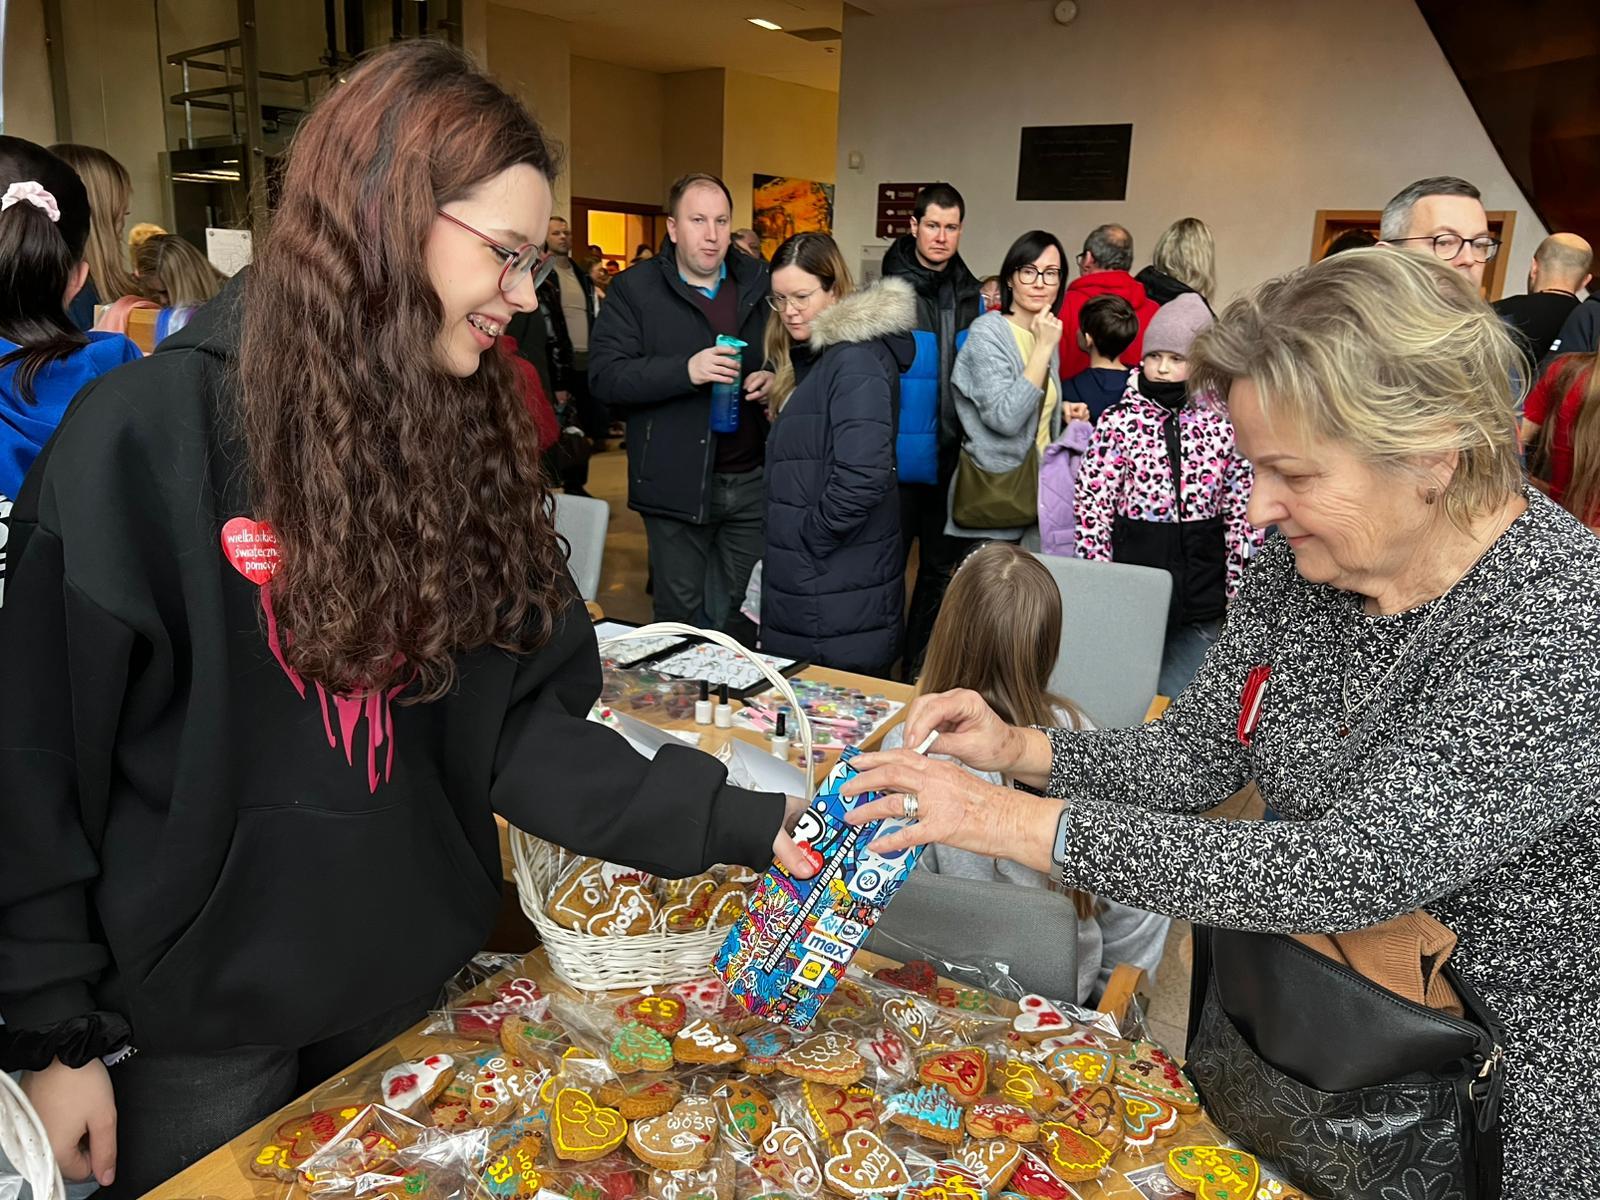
column 252, row 548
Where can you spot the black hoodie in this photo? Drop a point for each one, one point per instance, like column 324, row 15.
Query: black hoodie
column 210, row 847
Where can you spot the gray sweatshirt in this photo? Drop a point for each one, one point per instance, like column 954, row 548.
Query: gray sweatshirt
column 1116, row 933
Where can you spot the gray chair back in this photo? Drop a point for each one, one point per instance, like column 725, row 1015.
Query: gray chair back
column 1032, row 931
column 1114, row 628
column 582, row 520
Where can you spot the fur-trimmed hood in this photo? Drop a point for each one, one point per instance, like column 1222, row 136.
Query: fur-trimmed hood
column 888, row 307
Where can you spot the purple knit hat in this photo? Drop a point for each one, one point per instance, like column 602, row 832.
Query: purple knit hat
column 1176, row 323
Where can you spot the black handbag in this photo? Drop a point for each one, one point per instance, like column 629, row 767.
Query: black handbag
column 1352, row 1092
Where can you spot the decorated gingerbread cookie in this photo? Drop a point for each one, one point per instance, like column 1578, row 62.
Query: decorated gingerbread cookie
column 887, row 1051
column 1096, row 1111
column 714, row 1181
column 628, row 910
column 584, row 890
column 411, row 1087
column 786, row 1161
column 963, row 1073
column 947, row 1181
column 297, row 1139
column 706, row 997
column 1035, row 1181
column 1080, row 1066
column 499, row 1086
column 929, row 1112
column 746, row 1111
column 992, row 1161
column 1144, row 1118
column 583, row 1130
column 664, row 1014
column 865, row 1166
column 528, row 1040
column 1002, row 1119
column 1039, row 1018
column 915, row 976
column 835, row 1111
column 703, row 1043
column 637, row 1048
column 513, row 1172
column 1023, row 1083
column 680, row 1140
column 728, row 904
column 1148, row 1068
column 827, row 1058
column 763, row 1048
column 1072, row 1154
column 1214, row 1172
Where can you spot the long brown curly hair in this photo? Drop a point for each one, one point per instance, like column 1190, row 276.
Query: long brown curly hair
column 410, row 515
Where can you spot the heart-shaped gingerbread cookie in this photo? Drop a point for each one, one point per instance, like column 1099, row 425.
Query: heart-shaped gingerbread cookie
column 836, row 1111
column 1097, row 1112
column 826, row 1058
column 411, row 1087
column 1072, row 1154
column 680, row 1140
column 887, row 1051
column 1002, row 1119
column 963, row 1073
column 636, row 1101
column 627, row 910
column 746, row 1111
column 915, row 976
column 1039, row 1017
column 498, row 1087
column 703, row 1043
column 1214, row 1172
column 1148, row 1068
column 1144, row 1118
column 1035, row 1181
column 664, row 1014
column 513, row 1173
column 583, row 1130
column 785, row 1160
column 1081, row 1066
column 1023, row 1083
column 929, row 1111
column 636, row 1048
column 992, row 1160
column 762, row 1049
column 864, row 1166
column 947, row 1181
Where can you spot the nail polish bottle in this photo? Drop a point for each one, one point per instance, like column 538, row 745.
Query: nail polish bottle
column 702, row 706
column 780, row 739
column 724, row 709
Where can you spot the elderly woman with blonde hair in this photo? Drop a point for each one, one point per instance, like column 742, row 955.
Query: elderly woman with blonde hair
column 1411, row 675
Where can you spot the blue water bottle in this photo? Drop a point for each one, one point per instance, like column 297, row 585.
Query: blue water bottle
column 725, row 396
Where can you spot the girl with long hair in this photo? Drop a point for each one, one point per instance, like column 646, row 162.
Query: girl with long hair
column 171, row 272
column 290, row 623
column 44, row 357
column 110, row 190
column 1561, row 430
column 999, row 634
column 833, row 577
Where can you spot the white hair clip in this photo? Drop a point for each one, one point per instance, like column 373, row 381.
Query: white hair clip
column 35, row 194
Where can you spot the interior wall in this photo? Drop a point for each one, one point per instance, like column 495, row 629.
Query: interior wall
column 616, row 132
column 1249, row 118
column 29, row 108
column 692, row 130
column 775, row 128
column 532, row 57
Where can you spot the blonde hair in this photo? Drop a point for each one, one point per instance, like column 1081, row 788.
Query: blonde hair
column 1392, row 354
column 1187, row 251
column 998, row 633
column 110, row 188
column 142, row 233
column 187, row 274
column 816, row 254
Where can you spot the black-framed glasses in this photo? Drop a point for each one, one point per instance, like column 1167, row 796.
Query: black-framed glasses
column 519, row 262
column 1050, row 276
column 1448, row 245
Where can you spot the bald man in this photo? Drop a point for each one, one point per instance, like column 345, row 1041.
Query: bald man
column 1559, row 271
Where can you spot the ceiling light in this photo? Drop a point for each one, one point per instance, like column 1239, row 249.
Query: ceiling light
column 764, row 24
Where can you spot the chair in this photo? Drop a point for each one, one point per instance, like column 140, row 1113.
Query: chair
column 1032, row 931
column 582, row 520
column 1111, row 640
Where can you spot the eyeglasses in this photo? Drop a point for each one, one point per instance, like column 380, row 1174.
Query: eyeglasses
column 1050, row 276
column 799, row 301
column 1448, row 245
column 518, row 263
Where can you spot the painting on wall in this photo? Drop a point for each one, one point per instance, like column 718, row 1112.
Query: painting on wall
column 781, row 207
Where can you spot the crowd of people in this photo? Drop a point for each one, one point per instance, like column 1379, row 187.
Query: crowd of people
column 336, row 479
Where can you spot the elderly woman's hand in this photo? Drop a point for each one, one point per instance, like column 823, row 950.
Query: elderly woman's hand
column 954, row 808
column 969, row 730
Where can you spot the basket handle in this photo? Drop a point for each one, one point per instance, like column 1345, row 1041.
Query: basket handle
column 802, row 722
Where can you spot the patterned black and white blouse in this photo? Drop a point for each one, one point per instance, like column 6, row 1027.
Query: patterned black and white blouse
column 1469, row 786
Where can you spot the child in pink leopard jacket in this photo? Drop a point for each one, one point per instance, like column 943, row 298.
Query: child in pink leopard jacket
column 1127, row 507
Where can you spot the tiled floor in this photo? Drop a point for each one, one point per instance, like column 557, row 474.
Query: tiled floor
column 622, row 595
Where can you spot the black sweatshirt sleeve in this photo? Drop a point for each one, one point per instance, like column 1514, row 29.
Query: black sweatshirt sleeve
column 66, row 662
column 580, row 784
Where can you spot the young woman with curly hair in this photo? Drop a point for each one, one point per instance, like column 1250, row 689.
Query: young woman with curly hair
column 288, row 624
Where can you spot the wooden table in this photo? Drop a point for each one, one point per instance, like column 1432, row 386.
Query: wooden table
column 222, row 1173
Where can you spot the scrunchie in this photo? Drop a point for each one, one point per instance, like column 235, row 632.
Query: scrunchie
column 75, row 1042
column 35, row 194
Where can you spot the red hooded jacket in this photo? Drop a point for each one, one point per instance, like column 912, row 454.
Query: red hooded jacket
column 1084, row 289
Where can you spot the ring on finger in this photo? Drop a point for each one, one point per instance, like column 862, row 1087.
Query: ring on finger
column 911, row 806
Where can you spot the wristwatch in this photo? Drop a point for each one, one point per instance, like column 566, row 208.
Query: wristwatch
column 1058, row 848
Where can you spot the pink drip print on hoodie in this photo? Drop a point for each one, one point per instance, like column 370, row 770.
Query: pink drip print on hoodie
column 376, row 707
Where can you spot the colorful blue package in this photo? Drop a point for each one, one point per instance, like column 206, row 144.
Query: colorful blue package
column 785, row 956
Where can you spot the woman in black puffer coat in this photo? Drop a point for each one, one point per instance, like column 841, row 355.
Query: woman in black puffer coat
column 832, row 588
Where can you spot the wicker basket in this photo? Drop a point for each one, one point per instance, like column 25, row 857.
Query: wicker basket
column 25, row 1144
column 594, row 962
